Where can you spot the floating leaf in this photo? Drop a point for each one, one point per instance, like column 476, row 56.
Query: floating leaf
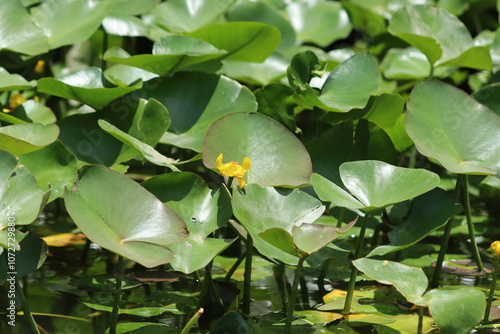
column 14, row 81
column 84, row 86
column 33, row 111
column 277, row 156
column 24, row 138
column 30, row 257
column 448, row 125
column 118, row 214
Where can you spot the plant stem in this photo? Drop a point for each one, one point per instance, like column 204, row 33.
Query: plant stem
column 247, row 284
column 118, row 292
column 446, row 237
column 472, row 236
column 322, row 274
column 491, row 293
column 420, row 319
column 30, row 321
column 191, row 321
column 293, row 296
column 340, row 219
column 354, row 270
column 233, row 268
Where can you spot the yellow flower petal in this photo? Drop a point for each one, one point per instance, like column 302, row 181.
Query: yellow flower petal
column 495, row 248
column 246, row 164
column 233, row 169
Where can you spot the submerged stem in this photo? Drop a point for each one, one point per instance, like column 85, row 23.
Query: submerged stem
column 446, row 237
column 470, row 226
column 293, row 296
column 118, row 291
column 247, row 284
column 30, row 321
column 492, row 292
column 354, row 270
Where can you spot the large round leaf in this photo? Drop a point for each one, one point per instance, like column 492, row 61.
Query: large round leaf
column 441, row 36
column 9, row 82
column 374, row 184
column 21, row 199
column 84, row 86
column 118, row 214
column 259, row 209
column 448, row 125
column 277, row 157
column 202, row 209
column 27, row 137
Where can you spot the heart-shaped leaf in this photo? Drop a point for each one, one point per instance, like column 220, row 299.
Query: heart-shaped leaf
column 14, row 81
column 277, row 157
column 118, row 214
column 448, row 125
column 24, row 138
column 84, row 86
column 31, row 255
column 204, row 210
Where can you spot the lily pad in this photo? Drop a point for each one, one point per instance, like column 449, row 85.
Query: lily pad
column 204, row 210
column 450, row 126
column 14, row 81
column 118, row 214
column 86, row 87
column 24, row 138
column 277, row 157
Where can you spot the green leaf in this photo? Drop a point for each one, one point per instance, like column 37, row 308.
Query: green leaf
column 124, row 25
column 18, row 32
column 138, row 311
column 118, row 214
column 86, row 87
column 374, row 184
column 123, row 75
column 204, row 210
column 441, row 36
column 216, row 96
column 428, row 212
column 54, row 167
column 170, row 53
column 448, row 125
column 9, row 82
column 265, row 13
column 245, row 41
column 24, row 138
column 271, row 70
column 447, row 306
column 488, row 95
column 283, row 240
column 231, row 322
column 276, row 101
column 259, row 209
column 21, row 199
column 189, row 15
column 32, row 254
column 70, row 22
column 34, row 112
column 319, row 22
column 277, row 157
column 405, row 64
column 409, row 281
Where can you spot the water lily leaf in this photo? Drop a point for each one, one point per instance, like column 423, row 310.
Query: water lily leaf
column 283, row 240
column 189, row 15
column 365, row 17
column 245, row 41
column 411, row 282
column 53, row 167
column 124, row 75
column 116, row 213
column 441, row 36
column 124, row 25
column 24, row 138
column 271, row 70
column 215, row 96
column 87, row 14
column 86, row 87
column 445, row 301
column 428, row 212
column 204, row 210
column 33, row 111
column 18, row 32
column 21, row 199
column 277, row 156
column 451, row 127
column 132, row 7
column 265, row 13
column 231, row 322
column 488, row 95
column 259, row 209
column 138, row 311
column 276, row 101
column 330, row 192
column 171, row 52
column 9, row 82
column 321, row 23
column 4, row 239
column 31, row 255
column 405, row 64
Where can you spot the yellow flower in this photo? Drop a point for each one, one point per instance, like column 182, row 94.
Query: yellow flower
column 495, row 248
column 40, row 65
column 233, row 169
column 16, row 100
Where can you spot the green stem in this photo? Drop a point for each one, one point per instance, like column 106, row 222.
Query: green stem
column 209, row 286
column 104, row 48
column 322, row 274
column 340, row 220
column 30, row 321
column 354, row 270
column 491, row 293
column 472, row 236
column 293, row 296
column 192, row 321
column 118, row 292
column 85, row 253
column 247, row 283
column 233, row 268
column 431, row 72
column 420, row 319
column 446, row 237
